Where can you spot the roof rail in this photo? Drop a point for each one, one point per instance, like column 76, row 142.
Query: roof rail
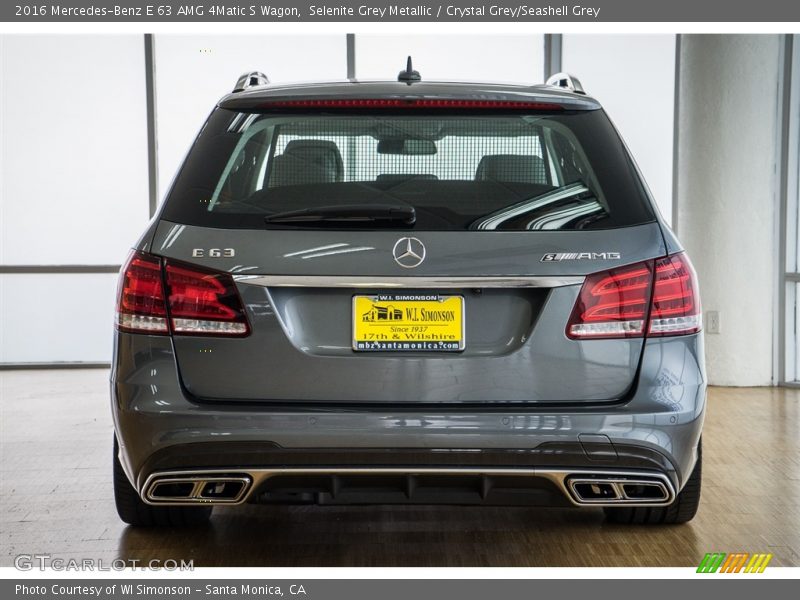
column 565, row 81
column 248, row 80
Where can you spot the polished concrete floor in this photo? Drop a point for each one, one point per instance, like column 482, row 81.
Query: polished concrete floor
column 55, row 498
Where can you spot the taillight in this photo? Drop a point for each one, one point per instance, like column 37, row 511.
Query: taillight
column 676, row 301
column 140, row 296
column 654, row 297
column 613, row 303
column 199, row 302
column 203, row 302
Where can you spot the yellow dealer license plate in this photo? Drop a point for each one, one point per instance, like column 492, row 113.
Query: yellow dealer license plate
column 408, row 323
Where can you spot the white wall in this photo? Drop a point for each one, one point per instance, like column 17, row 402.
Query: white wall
column 194, row 71
column 633, row 76
column 512, row 58
column 73, row 187
column 74, row 146
column 726, row 190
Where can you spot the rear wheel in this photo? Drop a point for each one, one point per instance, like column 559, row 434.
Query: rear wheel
column 134, row 511
column 682, row 510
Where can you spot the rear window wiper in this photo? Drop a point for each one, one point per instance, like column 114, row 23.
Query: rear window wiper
column 384, row 214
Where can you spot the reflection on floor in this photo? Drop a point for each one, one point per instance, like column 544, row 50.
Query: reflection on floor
column 55, row 445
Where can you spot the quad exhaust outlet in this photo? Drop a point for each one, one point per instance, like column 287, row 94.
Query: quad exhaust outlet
column 582, row 488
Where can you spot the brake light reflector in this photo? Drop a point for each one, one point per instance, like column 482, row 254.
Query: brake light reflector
column 203, row 302
column 412, row 103
column 195, row 301
column 654, row 297
column 140, row 296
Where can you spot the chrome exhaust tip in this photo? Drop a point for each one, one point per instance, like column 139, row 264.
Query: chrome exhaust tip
column 197, row 489
column 620, row 490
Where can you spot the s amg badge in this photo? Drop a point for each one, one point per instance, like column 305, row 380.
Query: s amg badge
column 557, row 256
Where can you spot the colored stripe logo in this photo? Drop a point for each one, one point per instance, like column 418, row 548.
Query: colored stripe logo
column 737, row 562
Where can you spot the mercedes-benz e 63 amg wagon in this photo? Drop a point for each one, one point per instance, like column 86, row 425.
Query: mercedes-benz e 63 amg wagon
column 408, row 292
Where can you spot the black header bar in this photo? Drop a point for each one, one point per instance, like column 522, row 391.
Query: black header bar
column 351, row 11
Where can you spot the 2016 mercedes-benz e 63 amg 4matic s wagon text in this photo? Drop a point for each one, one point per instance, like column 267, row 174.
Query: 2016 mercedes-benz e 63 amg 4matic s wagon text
column 408, row 292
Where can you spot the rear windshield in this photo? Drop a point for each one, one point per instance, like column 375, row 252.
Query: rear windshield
column 555, row 171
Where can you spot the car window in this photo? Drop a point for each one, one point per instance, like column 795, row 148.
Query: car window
column 457, row 171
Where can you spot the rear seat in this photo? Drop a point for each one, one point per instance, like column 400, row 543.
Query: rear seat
column 305, row 162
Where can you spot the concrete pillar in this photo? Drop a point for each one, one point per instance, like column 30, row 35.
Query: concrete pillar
column 726, row 194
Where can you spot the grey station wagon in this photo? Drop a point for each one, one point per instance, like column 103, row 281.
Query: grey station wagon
column 408, row 292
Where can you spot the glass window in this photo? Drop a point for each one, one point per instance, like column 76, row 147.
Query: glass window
column 498, row 172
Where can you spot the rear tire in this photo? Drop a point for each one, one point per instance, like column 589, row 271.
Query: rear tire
column 682, row 510
column 134, row 511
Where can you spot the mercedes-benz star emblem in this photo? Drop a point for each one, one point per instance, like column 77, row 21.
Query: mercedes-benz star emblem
column 408, row 252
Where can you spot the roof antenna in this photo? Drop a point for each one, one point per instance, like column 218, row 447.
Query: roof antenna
column 409, row 74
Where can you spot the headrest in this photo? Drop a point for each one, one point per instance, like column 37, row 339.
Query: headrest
column 307, row 161
column 514, row 168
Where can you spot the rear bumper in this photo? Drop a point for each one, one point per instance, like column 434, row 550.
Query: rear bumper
column 654, row 432
column 410, row 485
column 537, row 476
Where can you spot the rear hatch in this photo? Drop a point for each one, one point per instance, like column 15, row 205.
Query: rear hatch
column 390, row 256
